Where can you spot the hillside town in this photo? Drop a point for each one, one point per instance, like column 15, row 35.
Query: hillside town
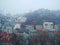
column 14, row 31
column 29, row 22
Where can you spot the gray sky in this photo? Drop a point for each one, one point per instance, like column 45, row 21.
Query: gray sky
column 23, row 6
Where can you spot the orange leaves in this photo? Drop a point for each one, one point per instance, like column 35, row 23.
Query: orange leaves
column 5, row 37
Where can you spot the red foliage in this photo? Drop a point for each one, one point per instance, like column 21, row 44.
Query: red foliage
column 5, row 36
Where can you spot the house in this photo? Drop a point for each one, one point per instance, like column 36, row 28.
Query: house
column 57, row 27
column 29, row 27
column 38, row 27
column 20, row 19
column 17, row 26
column 8, row 29
column 48, row 25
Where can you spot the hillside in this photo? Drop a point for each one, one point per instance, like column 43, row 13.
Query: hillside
column 41, row 15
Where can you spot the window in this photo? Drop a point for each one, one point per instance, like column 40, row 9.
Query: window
column 46, row 24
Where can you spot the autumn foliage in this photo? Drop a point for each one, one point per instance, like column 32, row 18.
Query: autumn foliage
column 5, row 37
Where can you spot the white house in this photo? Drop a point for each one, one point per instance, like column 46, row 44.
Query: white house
column 17, row 26
column 48, row 25
column 21, row 19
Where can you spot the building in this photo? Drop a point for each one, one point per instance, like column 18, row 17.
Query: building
column 57, row 27
column 20, row 19
column 38, row 27
column 48, row 25
column 29, row 27
column 8, row 29
column 17, row 26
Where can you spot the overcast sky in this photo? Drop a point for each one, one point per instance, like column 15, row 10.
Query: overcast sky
column 23, row 6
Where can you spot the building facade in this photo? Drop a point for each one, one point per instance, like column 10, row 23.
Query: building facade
column 29, row 27
column 48, row 25
column 38, row 27
column 57, row 27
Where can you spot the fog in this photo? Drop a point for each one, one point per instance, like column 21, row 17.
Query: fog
column 24, row 6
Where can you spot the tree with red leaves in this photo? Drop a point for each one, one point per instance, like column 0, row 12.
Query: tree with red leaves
column 5, row 37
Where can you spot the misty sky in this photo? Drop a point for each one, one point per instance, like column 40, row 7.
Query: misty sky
column 23, row 6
